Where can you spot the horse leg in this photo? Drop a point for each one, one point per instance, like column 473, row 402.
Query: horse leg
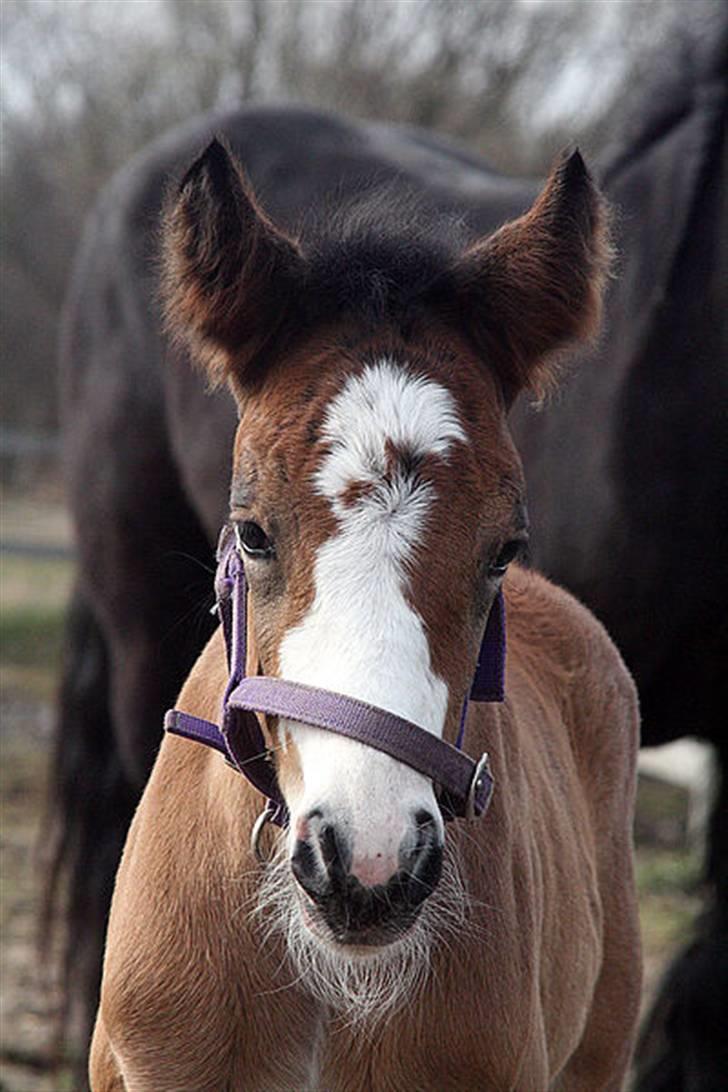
column 103, row 1071
column 88, row 808
column 601, row 1061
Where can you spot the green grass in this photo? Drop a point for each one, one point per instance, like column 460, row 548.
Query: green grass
column 32, row 636
column 33, row 597
column 663, row 872
column 27, row 581
column 670, row 900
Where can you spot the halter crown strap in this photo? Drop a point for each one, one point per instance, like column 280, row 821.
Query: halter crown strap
column 466, row 786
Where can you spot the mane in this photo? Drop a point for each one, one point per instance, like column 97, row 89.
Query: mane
column 376, row 254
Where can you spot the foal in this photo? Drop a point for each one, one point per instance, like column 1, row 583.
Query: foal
column 378, row 504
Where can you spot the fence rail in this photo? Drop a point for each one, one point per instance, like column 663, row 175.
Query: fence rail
column 18, row 443
column 41, row 551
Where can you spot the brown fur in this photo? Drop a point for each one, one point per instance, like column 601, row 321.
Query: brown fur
column 551, row 265
column 211, row 302
column 539, row 989
column 235, row 285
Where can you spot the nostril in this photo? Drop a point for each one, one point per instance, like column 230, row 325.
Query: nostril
column 426, row 825
column 426, row 833
column 423, row 874
column 421, row 861
column 428, row 865
column 306, row 869
column 336, row 853
column 321, row 858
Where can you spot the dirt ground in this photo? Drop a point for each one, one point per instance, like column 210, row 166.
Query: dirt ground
column 29, row 655
column 28, row 994
column 30, row 645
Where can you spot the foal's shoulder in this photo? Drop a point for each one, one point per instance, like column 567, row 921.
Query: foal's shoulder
column 561, row 648
column 547, row 623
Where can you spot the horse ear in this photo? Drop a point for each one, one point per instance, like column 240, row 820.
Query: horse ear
column 536, row 285
column 227, row 270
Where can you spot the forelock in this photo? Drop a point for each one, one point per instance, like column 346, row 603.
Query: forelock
column 378, row 255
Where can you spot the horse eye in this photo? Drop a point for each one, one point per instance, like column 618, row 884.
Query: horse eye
column 252, row 540
column 506, row 555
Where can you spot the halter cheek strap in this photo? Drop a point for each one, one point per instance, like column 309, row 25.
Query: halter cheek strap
column 465, row 786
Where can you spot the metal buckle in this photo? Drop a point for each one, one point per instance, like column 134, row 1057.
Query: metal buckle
column 483, row 767
column 265, row 816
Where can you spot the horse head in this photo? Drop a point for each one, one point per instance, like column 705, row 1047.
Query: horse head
column 376, row 494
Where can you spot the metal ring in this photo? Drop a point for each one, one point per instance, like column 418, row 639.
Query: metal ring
column 482, row 770
column 256, row 832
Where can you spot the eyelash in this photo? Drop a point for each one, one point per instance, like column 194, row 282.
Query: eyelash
column 252, row 540
column 508, row 553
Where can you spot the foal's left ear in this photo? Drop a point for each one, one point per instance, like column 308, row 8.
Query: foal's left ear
column 228, row 272
column 536, row 284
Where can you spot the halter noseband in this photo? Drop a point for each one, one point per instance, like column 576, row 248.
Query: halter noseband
column 465, row 786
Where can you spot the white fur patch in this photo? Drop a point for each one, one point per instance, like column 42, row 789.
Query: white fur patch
column 361, row 637
column 361, row 990
column 384, row 404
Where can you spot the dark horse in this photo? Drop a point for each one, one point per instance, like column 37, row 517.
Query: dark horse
column 627, row 474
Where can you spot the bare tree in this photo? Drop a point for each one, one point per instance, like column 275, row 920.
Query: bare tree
column 87, row 83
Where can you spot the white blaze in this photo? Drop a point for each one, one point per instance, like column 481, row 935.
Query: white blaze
column 361, row 637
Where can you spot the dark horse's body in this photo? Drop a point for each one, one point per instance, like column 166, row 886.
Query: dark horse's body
column 626, row 472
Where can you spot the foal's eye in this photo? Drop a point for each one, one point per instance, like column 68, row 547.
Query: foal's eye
column 253, row 540
column 508, row 553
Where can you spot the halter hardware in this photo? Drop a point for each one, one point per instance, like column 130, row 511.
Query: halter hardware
column 482, row 777
column 265, row 817
column 466, row 786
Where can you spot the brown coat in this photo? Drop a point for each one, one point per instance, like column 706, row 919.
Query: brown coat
column 539, row 990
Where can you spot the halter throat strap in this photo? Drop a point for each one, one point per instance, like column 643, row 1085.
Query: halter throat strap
column 465, row 785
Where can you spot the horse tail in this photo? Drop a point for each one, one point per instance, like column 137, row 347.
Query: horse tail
column 89, row 805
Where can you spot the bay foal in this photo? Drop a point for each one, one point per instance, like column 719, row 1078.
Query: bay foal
column 379, row 505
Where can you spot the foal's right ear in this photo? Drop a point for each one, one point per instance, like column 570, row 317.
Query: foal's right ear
column 228, row 272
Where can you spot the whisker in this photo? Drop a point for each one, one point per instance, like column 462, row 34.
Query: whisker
column 198, row 612
column 360, row 991
column 208, row 568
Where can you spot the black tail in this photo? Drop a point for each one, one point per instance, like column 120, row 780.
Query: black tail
column 90, row 805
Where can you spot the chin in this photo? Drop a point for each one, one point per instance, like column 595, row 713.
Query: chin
column 362, row 976
column 365, row 943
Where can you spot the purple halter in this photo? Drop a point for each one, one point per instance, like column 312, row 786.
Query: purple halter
column 465, row 786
